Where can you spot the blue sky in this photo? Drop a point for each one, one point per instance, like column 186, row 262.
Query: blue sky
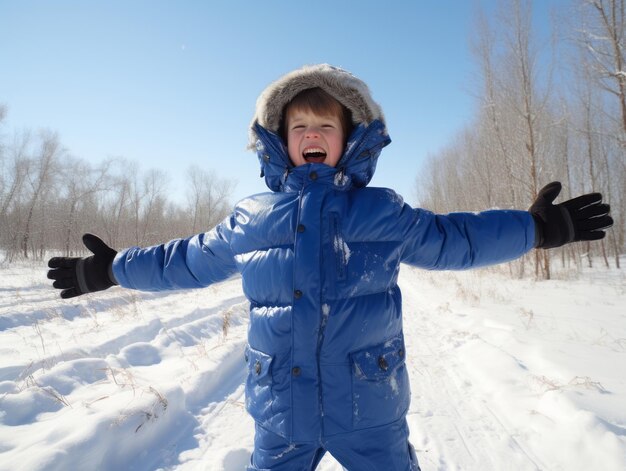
column 173, row 84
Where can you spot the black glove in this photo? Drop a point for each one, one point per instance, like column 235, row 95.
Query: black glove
column 581, row 218
column 76, row 276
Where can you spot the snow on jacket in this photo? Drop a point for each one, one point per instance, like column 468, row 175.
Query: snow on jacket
column 319, row 258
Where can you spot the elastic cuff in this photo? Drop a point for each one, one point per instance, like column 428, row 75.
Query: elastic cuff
column 538, row 231
column 111, row 275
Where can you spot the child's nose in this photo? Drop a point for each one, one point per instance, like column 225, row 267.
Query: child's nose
column 312, row 132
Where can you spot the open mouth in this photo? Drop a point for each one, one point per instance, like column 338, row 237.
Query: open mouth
column 314, row 154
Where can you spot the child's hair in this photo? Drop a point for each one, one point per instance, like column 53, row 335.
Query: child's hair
column 320, row 103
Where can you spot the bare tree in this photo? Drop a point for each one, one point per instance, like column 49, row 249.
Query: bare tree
column 495, row 149
column 516, row 88
column 112, row 210
column 80, row 182
column 603, row 36
column 154, row 187
column 207, row 198
column 601, row 74
column 13, row 176
column 39, row 178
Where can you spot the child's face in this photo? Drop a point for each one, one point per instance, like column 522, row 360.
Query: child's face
column 312, row 138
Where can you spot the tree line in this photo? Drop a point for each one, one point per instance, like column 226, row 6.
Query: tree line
column 548, row 110
column 49, row 198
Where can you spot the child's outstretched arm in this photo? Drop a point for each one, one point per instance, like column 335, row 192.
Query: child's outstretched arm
column 466, row 240
column 194, row 262
column 76, row 275
column 581, row 218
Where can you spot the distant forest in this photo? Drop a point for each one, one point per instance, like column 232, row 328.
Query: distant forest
column 49, row 198
column 549, row 110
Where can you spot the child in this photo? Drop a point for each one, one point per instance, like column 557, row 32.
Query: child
column 319, row 258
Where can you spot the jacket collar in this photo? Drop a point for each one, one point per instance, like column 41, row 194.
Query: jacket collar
column 355, row 168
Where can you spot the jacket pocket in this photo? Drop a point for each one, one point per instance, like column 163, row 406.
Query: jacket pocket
column 259, row 395
column 380, row 385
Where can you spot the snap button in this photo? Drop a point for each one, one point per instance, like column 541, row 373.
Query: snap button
column 297, row 294
column 266, row 157
column 400, row 353
column 382, row 363
column 313, row 175
column 257, row 367
column 300, row 228
column 296, row 371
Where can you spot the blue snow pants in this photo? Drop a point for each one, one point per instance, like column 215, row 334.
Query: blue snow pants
column 383, row 448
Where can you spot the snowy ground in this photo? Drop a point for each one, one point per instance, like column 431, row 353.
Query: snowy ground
column 505, row 375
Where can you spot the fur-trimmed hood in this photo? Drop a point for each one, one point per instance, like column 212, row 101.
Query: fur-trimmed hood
column 344, row 87
column 358, row 163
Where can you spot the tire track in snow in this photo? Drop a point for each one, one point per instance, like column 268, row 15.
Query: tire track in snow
column 216, row 399
column 452, row 425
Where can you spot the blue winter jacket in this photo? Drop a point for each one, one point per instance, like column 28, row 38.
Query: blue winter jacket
column 319, row 258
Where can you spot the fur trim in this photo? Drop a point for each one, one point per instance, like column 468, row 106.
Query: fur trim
column 338, row 83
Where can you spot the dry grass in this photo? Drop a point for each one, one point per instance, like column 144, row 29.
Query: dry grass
column 577, row 382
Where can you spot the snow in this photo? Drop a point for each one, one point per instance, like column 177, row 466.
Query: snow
column 341, row 247
column 505, row 374
column 341, row 179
